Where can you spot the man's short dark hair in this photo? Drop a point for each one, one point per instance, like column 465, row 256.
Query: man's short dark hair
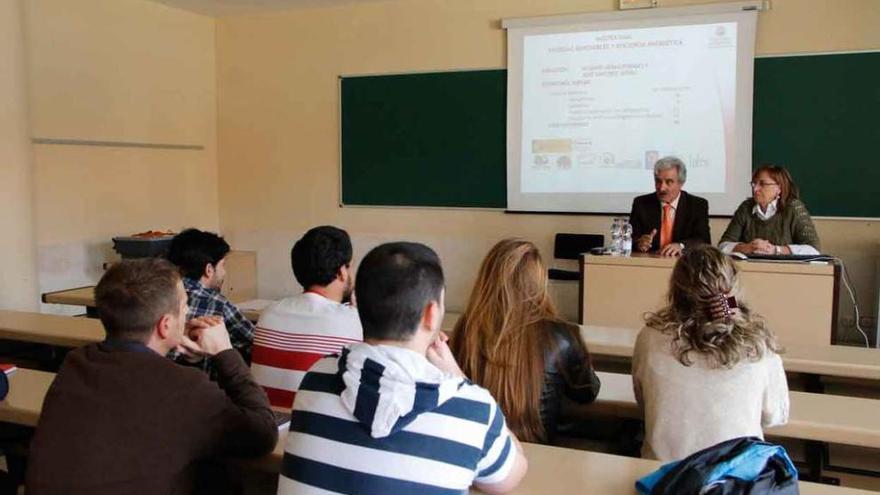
column 133, row 294
column 317, row 257
column 395, row 282
column 192, row 249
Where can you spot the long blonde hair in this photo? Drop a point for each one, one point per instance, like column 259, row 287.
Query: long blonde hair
column 699, row 278
column 500, row 340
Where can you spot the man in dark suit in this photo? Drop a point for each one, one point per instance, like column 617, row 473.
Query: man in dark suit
column 669, row 219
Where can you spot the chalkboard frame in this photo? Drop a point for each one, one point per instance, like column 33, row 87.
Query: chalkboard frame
column 816, row 191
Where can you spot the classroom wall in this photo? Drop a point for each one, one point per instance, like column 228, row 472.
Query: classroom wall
column 278, row 125
column 123, row 71
column 18, row 280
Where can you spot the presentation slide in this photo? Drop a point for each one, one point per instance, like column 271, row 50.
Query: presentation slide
column 594, row 107
column 600, row 108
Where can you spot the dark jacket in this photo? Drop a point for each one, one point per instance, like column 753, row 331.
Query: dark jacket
column 567, row 373
column 691, row 219
column 120, row 418
column 741, row 466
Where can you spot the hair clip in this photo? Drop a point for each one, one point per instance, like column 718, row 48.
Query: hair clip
column 723, row 308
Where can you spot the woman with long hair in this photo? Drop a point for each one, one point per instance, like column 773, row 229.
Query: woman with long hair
column 705, row 367
column 511, row 341
column 774, row 220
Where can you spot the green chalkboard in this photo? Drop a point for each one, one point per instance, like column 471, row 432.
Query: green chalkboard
column 438, row 139
column 433, row 139
column 819, row 116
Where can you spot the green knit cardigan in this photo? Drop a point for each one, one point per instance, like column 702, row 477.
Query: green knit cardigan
column 790, row 225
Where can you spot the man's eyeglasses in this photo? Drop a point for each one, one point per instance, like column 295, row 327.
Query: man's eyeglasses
column 762, row 183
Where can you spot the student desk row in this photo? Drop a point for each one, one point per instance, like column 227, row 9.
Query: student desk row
column 551, row 469
column 602, row 342
column 555, row 470
column 85, row 296
column 818, row 417
column 823, row 418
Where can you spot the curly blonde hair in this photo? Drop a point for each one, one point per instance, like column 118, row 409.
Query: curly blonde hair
column 700, row 276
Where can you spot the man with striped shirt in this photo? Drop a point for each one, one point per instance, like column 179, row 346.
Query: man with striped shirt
column 295, row 332
column 395, row 414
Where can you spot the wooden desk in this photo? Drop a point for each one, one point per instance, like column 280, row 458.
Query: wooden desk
column 818, row 417
column 799, row 300
column 27, row 389
column 64, row 331
column 551, row 469
column 240, row 284
column 85, row 296
column 557, row 470
column 824, row 360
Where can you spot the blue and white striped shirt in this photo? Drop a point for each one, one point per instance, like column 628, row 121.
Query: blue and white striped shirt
column 382, row 419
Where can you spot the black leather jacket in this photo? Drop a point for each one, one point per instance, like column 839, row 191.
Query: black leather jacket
column 567, row 372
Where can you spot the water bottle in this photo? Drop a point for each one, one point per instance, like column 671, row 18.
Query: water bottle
column 626, row 240
column 616, row 233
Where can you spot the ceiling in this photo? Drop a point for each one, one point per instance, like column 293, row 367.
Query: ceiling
column 218, row 8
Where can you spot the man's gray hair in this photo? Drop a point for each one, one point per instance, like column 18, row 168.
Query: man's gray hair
column 668, row 162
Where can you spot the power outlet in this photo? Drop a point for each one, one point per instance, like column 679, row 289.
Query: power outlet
column 847, row 322
column 867, row 322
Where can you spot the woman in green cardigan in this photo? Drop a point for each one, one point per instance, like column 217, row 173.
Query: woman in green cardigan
column 773, row 220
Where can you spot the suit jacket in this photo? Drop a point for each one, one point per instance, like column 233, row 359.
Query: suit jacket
column 120, row 418
column 691, row 219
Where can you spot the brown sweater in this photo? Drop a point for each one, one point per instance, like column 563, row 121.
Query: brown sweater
column 120, row 418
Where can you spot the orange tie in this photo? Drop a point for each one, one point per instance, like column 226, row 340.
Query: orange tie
column 666, row 226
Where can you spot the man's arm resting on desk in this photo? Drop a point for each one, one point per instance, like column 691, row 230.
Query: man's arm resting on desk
column 514, row 475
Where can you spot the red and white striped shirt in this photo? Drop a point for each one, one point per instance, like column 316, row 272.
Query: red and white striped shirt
column 292, row 335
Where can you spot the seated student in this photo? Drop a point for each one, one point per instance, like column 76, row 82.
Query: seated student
column 773, row 220
column 705, row 368
column 121, row 418
column 394, row 414
column 511, row 341
column 669, row 219
column 295, row 332
column 201, row 258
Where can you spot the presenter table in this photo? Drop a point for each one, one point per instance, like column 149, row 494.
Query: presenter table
column 798, row 300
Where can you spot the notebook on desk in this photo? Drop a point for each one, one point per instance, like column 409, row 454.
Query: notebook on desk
column 790, row 257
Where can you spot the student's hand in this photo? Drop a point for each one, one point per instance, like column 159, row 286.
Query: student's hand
column 643, row 243
column 190, row 351
column 671, row 249
column 205, row 321
column 212, row 339
column 441, row 356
